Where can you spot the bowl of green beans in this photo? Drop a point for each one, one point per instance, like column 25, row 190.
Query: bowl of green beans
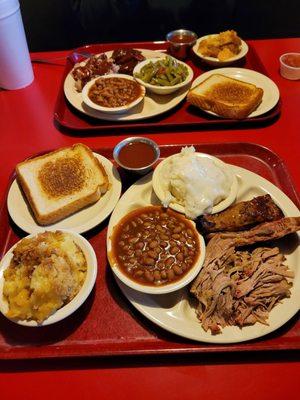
column 163, row 75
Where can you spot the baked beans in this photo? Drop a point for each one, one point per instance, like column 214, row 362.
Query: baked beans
column 114, row 92
column 155, row 246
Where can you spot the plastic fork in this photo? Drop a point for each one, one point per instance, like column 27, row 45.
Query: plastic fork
column 74, row 57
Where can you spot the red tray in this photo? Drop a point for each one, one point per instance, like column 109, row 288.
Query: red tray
column 70, row 119
column 107, row 324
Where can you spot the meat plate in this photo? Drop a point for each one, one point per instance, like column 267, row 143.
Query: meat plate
column 175, row 312
column 151, row 106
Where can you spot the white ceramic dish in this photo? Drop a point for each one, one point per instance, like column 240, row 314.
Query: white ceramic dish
column 119, row 212
column 174, row 311
column 78, row 300
column 161, row 194
column 271, row 92
column 215, row 62
column 79, row 222
column 136, row 139
column 163, row 90
column 152, row 105
column 112, row 110
column 288, row 71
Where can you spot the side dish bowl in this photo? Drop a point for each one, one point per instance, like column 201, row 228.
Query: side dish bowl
column 290, row 66
column 76, row 302
column 215, row 62
column 112, row 110
column 136, row 154
column 156, row 235
column 180, row 42
column 160, row 190
column 163, row 90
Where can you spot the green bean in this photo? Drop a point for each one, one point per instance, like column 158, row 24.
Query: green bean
column 175, row 81
column 163, row 82
column 166, row 72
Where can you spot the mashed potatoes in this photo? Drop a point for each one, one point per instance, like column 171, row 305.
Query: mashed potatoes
column 196, row 183
column 45, row 273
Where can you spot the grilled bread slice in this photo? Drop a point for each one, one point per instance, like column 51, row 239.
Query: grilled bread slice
column 227, row 97
column 62, row 182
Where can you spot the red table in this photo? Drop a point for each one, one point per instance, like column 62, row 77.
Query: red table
column 26, row 127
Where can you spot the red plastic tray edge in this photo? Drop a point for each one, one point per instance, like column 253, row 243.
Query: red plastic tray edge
column 167, row 347
column 61, row 103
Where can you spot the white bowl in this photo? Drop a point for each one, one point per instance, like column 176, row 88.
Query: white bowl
column 215, row 62
column 288, row 71
column 76, row 302
column 168, row 288
column 161, row 194
column 111, row 110
column 163, row 89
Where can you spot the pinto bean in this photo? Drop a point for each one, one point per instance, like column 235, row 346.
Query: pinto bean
column 177, row 229
column 177, row 269
column 149, row 276
column 157, row 275
column 153, row 244
column 149, row 261
column 170, row 275
column 174, row 250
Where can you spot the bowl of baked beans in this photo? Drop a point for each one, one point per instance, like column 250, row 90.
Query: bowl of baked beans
column 113, row 93
column 155, row 250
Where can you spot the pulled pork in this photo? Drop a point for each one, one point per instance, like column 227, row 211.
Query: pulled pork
column 241, row 287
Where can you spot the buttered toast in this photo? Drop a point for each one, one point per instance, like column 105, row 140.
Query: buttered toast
column 227, row 97
column 61, row 182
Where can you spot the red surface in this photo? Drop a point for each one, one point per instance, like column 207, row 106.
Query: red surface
column 26, row 127
column 183, row 115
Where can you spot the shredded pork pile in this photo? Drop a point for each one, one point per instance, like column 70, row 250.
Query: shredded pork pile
column 241, row 287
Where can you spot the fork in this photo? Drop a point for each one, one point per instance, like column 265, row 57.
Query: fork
column 74, row 57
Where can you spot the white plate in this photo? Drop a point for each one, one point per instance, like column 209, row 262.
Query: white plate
column 82, row 220
column 215, row 61
column 271, row 92
column 152, row 105
column 75, row 303
column 161, row 193
column 173, row 311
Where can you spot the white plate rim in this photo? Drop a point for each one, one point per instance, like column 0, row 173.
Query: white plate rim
column 248, row 75
column 201, row 336
column 77, row 301
column 28, row 224
column 174, row 99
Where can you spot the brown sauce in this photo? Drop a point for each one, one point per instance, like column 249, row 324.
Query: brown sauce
column 292, row 60
column 136, row 155
column 155, row 246
column 182, row 38
column 114, row 92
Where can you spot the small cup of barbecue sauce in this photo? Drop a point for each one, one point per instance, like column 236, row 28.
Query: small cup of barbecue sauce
column 136, row 154
column 180, row 42
column 290, row 66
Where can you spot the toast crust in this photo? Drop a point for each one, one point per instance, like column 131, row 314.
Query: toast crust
column 62, row 188
column 229, row 98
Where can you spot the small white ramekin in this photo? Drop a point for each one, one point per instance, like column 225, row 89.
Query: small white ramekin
column 288, row 71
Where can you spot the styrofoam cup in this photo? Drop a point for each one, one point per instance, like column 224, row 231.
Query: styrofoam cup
column 15, row 64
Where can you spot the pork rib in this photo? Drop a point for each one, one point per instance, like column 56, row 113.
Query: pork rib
column 242, row 215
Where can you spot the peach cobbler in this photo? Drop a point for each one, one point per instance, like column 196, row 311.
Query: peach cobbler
column 45, row 273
